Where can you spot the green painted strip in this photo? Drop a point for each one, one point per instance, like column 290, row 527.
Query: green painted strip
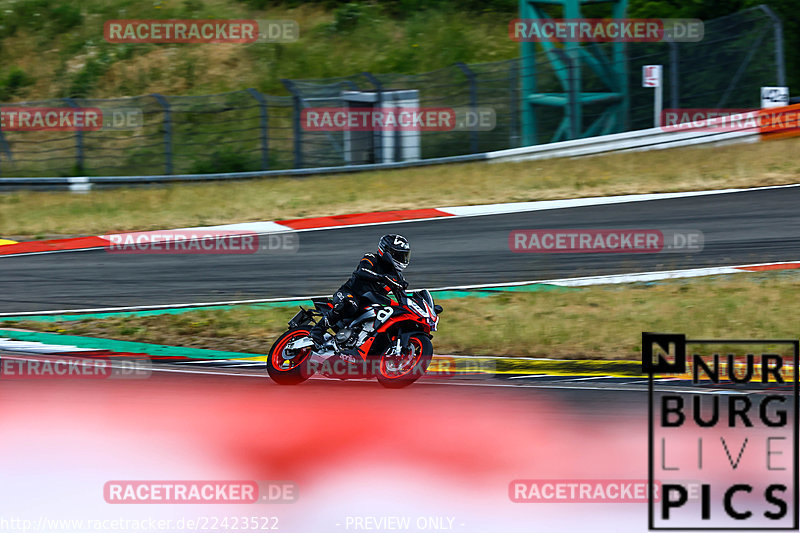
column 438, row 295
column 534, row 287
column 121, row 346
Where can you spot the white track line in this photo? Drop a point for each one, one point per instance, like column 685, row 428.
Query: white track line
column 52, row 252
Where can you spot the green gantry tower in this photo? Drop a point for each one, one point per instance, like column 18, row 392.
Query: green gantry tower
column 568, row 60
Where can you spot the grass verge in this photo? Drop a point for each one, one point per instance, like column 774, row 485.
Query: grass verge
column 74, row 59
column 603, row 322
column 28, row 214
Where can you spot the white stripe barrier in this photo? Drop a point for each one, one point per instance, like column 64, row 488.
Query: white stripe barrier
column 640, row 140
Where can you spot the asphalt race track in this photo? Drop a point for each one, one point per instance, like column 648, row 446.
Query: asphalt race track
column 739, row 228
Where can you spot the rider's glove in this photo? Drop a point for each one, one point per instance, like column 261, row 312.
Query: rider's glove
column 399, row 285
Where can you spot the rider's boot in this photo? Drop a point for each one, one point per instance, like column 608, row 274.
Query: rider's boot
column 317, row 332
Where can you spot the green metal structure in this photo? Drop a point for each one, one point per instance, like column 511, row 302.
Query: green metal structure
column 568, row 61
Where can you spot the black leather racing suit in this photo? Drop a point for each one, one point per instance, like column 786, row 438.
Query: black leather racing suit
column 369, row 275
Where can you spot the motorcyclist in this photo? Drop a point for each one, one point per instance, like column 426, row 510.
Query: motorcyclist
column 379, row 272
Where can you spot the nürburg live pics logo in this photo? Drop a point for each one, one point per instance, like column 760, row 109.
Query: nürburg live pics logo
column 723, row 433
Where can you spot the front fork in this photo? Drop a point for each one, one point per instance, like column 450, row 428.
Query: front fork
column 401, row 344
column 397, row 348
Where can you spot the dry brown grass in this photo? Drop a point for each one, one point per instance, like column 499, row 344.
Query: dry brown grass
column 603, row 322
column 28, row 214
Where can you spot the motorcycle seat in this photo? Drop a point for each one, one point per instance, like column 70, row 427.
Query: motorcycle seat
column 322, row 305
column 370, row 298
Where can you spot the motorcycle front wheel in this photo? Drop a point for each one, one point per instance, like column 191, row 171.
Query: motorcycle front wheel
column 400, row 371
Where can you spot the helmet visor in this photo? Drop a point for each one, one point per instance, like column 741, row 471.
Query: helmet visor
column 401, row 256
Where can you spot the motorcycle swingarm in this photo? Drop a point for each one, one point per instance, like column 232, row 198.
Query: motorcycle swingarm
column 299, row 344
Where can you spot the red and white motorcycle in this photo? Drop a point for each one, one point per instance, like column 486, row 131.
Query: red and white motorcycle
column 389, row 340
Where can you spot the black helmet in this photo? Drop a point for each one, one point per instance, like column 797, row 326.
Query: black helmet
column 395, row 249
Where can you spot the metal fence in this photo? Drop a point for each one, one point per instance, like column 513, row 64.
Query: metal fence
column 245, row 131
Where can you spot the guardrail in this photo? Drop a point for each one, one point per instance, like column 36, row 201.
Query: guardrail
column 788, row 124
column 642, row 140
column 86, row 183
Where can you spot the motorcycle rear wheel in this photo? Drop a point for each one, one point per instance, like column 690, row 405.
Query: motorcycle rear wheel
column 289, row 371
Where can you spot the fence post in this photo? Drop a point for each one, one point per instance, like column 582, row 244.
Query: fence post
column 378, row 134
column 473, row 102
column 673, row 75
column 78, row 140
column 4, row 146
column 575, row 100
column 167, row 132
column 777, row 26
column 572, row 107
column 262, row 104
column 298, row 130
column 513, row 85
